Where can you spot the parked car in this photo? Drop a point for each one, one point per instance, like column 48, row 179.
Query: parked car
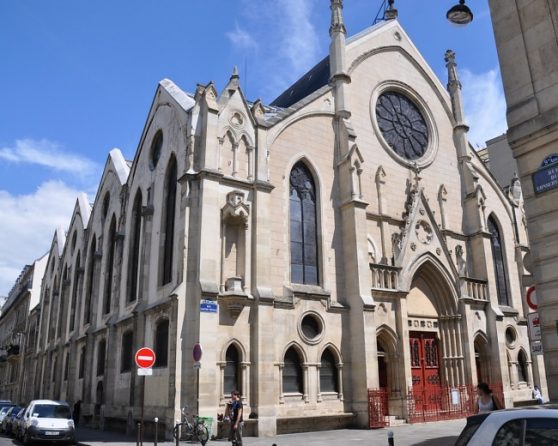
column 8, row 420
column 17, row 424
column 48, row 420
column 526, row 426
column 3, row 410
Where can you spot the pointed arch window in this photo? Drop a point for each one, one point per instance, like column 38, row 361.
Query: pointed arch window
column 328, row 373
column 303, row 226
column 126, row 351
column 67, row 366
column 74, row 292
column 522, row 373
column 499, row 263
column 90, row 280
column 232, row 371
column 168, row 221
column 109, row 272
column 101, row 357
column 292, row 372
column 81, row 370
column 161, row 343
column 134, row 257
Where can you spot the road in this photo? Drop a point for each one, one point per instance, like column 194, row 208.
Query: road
column 443, row 433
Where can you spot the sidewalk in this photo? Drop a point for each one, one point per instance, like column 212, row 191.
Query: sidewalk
column 442, row 433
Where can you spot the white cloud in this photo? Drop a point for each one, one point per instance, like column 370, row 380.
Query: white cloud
column 485, row 105
column 287, row 37
column 300, row 43
column 241, row 39
column 28, row 224
column 47, row 154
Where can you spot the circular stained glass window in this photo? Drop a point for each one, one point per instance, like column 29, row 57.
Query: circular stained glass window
column 402, row 125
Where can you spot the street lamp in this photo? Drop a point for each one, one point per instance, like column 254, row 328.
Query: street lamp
column 460, row 14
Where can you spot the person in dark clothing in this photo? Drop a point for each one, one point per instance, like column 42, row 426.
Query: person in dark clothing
column 76, row 412
column 235, row 412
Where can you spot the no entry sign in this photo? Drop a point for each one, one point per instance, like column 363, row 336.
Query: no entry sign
column 145, row 358
column 531, row 298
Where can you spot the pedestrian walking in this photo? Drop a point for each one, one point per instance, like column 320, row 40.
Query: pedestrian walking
column 76, row 412
column 486, row 402
column 537, row 395
column 237, row 423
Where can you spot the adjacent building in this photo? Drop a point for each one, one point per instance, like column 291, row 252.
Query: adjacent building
column 527, row 42
column 16, row 332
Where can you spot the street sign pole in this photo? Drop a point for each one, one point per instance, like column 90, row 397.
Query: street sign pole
column 142, row 406
column 145, row 358
column 197, row 353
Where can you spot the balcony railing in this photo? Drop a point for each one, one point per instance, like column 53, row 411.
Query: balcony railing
column 476, row 289
column 384, row 277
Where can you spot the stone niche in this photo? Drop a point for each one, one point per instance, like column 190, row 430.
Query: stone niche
column 234, row 225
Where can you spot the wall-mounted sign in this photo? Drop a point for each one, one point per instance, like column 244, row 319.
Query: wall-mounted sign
column 546, row 177
column 208, row 306
column 536, row 348
column 534, row 326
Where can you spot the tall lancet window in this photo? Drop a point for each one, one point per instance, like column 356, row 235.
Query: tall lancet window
column 109, row 275
column 168, row 220
column 499, row 263
column 135, row 245
column 303, row 226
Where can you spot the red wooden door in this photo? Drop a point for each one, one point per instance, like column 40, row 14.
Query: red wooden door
column 425, row 370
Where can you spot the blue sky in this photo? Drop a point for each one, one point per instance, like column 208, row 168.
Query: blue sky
column 78, row 78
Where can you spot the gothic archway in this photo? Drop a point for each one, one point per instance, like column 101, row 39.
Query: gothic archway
column 435, row 335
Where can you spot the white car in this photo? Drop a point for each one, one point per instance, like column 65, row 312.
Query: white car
column 4, row 410
column 48, row 420
column 526, row 426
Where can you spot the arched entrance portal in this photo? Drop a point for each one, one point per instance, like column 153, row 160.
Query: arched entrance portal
column 436, row 352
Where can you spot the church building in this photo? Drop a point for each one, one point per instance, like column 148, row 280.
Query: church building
column 342, row 242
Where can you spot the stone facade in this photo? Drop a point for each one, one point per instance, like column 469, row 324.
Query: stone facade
column 300, row 243
column 526, row 39
column 18, row 322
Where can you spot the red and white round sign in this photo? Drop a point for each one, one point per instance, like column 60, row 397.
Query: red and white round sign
column 531, row 298
column 145, row 357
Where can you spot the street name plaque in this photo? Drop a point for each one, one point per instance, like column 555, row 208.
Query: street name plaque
column 546, row 177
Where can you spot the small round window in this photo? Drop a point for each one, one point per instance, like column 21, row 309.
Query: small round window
column 311, row 328
column 402, row 125
column 156, row 147
column 511, row 337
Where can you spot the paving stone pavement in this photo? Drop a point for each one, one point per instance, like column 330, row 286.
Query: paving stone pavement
column 442, row 433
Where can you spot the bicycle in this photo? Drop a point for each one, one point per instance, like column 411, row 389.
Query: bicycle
column 188, row 431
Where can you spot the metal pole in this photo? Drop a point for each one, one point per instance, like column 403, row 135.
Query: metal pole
column 156, row 429
column 138, row 433
column 142, row 405
column 390, row 438
column 197, row 391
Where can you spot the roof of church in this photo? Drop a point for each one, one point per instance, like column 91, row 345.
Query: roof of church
column 318, row 76
column 313, row 80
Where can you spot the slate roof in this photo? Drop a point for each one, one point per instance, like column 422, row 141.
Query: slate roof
column 313, row 80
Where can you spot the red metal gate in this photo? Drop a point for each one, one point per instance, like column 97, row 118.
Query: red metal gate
column 444, row 403
column 378, row 408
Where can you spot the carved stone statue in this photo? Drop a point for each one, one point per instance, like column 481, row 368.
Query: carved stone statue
column 461, row 263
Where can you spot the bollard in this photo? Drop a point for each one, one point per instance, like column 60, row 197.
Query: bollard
column 177, row 430
column 390, row 438
column 139, row 433
column 156, row 429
